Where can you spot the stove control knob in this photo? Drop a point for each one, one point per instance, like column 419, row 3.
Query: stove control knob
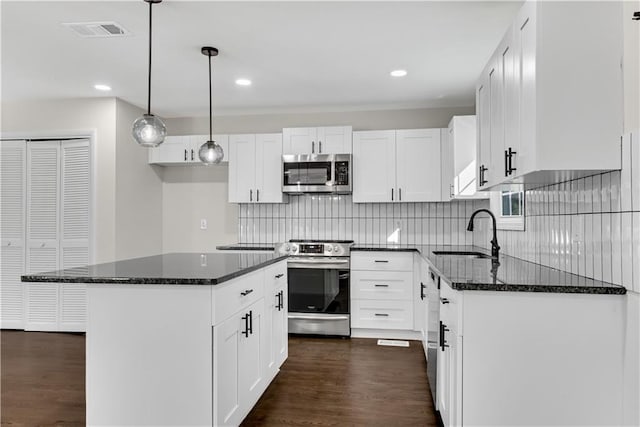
column 336, row 248
column 287, row 248
column 329, row 248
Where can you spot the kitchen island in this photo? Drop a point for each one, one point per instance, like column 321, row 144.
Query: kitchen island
column 180, row 339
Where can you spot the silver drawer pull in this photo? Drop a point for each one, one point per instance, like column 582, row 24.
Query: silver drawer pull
column 382, row 315
column 381, row 260
column 381, row 286
column 247, row 292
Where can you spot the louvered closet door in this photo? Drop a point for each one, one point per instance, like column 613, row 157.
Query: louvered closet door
column 13, row 167
column 74, row 231
column 43, row 171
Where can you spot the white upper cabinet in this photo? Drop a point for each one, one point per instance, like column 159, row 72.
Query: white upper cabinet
column 549, row 102
column 321, row 140
column 397, row 166
column 255, row 168
column 461, row 135
column 418, row 165
column 374, row 164
column 183, row 150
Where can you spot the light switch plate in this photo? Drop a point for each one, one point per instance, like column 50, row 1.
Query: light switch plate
column 203, row 224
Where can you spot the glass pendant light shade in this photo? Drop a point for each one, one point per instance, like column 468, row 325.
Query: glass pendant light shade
column 211, row 153
column 149, row 130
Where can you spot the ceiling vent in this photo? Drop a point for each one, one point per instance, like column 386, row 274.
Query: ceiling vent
column 97, row 29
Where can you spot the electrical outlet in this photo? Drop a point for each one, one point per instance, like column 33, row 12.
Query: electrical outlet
column 203, row 224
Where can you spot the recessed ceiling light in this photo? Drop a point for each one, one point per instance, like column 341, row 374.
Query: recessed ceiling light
column 243, row 82
column 103, row 88
column 398, row 73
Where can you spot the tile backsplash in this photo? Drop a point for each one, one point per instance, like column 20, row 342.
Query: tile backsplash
column 337, row 217
column 588, row 226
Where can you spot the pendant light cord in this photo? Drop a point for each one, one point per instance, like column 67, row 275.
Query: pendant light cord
column 149, row 85
column 210, row 103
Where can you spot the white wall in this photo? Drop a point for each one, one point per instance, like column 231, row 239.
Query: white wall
column 138, row 191
column 194, row 193
column 631, row 66
column 78, row 116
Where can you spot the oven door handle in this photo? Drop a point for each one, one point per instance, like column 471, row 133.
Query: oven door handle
column 312, row 317
column 320, row 264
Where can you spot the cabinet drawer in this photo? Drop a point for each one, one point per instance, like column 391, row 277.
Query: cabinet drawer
column 376, row 314
column 384, row 285
column 232, row 296
column 275, row 276
column 382, row 261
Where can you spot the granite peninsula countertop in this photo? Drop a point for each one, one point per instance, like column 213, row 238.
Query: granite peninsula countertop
column 167, row 269
column 513, row 274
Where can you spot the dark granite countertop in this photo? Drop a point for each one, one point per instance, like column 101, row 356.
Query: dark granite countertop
column 247, row 247
column 513, row 274
column 167, row 269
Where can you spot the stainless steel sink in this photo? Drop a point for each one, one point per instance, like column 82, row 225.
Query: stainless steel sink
column 463, row 254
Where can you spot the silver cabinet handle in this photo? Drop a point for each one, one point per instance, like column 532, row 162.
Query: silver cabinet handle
column 251, row 195
column 382, row 315
column 320, row 145
column 257, row 195
column 246, row 292
column 185, row 155
column 313, row 147
column 312, row 317
column 381, row 286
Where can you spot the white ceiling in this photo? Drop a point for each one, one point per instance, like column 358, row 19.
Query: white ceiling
column 301, row 56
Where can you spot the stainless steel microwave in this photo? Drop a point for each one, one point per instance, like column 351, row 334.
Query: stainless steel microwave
column 316, row 173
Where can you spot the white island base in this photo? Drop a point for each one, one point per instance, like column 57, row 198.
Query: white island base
column 184, row 354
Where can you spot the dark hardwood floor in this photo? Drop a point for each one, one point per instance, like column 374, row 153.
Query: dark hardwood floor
column 325, row 382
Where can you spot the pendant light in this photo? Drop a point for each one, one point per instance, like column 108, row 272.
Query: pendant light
column 149, row 130
column 210, row 153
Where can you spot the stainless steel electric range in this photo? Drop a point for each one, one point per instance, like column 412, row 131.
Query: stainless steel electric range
column 318, row 286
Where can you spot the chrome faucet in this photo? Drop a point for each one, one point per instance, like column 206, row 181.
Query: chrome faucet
column 495, row 249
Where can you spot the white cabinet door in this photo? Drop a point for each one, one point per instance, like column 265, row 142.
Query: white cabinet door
column 496, row 83
column 483, row 146
column 525, row 41
column 227, row 402
column 268, row 154
column 276, row 329
column 242, row 168
column 299, row 141
column 334, row 140
column 174, row 150
column 511, row 72
column 281, row 328
column 418, row 165
column 374, row 166
column 446, row 165
column 13, row 167
column 252, row 356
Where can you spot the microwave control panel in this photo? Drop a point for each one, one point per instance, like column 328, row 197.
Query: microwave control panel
column 342, row 173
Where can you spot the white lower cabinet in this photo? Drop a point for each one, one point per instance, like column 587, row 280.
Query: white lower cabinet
column 382, row 294
column 516, row 358
column 276, row 307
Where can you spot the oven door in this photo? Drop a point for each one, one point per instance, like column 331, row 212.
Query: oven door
column 319, row 296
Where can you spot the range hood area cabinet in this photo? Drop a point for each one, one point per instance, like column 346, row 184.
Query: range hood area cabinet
column 549, row 102
column 255, row 168
column 320, row 140
column 397, row 166
column 183, row 150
